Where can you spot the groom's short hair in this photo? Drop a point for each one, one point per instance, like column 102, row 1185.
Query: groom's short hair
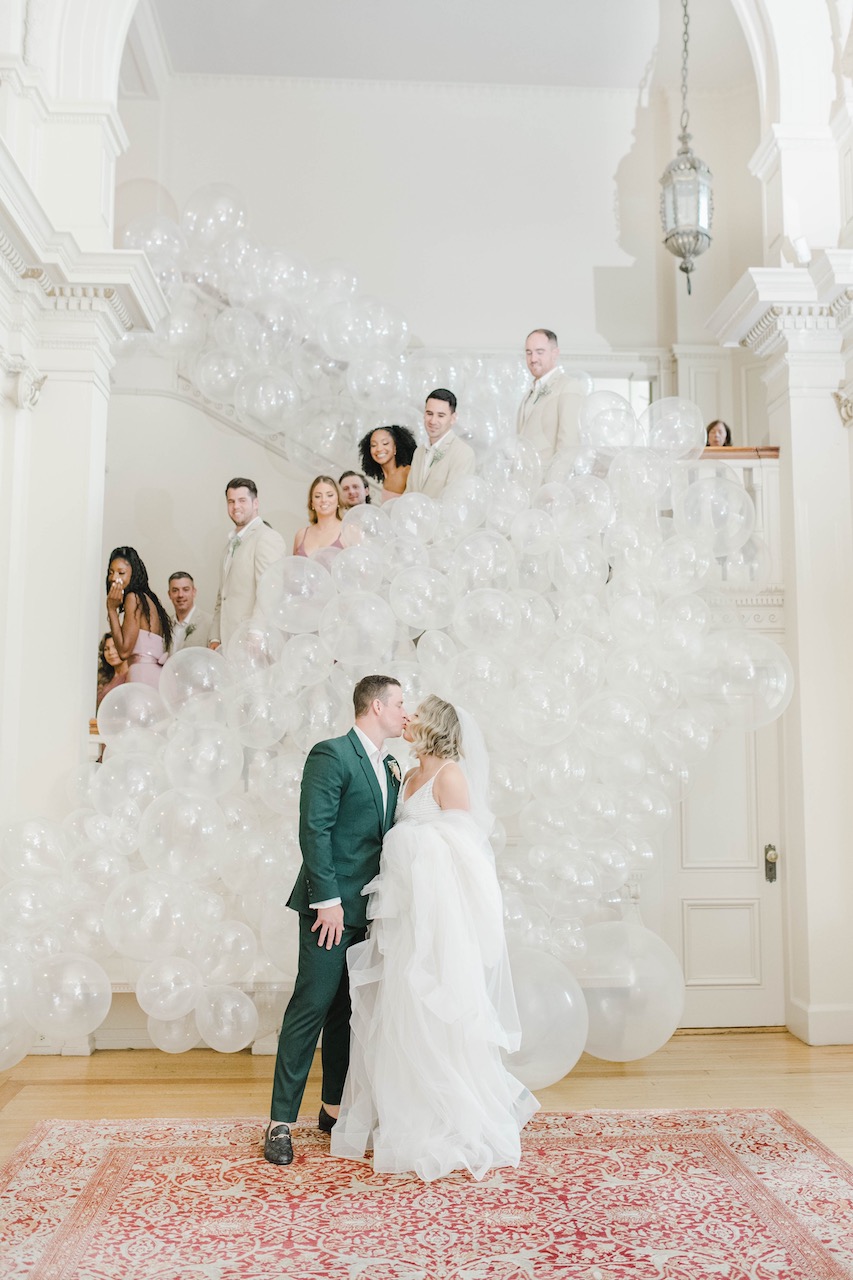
column 369, row 688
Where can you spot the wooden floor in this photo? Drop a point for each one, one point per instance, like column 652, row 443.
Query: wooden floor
column 708, row 1069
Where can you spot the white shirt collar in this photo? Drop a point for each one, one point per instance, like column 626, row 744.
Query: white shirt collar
column 238, row 533
column 188, row 619
column 546, row 377
column 441, row 443
column 370, row 746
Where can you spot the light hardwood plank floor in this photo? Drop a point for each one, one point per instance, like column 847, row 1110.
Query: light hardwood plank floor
column 708, row 1069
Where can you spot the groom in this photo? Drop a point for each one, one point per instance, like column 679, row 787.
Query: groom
column 349, row 794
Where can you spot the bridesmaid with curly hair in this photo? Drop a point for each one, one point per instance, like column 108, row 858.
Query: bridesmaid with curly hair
column 386, row 455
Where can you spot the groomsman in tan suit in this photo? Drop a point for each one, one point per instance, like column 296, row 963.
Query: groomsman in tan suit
column 252, row 547
column 548, row 414
column 446, row 458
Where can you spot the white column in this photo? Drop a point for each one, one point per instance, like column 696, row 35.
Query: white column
column 789, row 318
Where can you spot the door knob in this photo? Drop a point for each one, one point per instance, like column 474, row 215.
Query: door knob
column 771, row 857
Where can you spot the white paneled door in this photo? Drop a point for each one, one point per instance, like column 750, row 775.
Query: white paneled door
column 718, row 910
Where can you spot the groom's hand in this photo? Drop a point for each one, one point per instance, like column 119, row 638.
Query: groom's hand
column 330, row 922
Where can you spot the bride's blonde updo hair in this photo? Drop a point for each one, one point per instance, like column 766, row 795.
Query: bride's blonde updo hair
column 437, row 731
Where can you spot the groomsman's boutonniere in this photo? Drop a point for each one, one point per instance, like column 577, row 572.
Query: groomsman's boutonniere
column 394, row 769
column 190, row 629
column 545, row 391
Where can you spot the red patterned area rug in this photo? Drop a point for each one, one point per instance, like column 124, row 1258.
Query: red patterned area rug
column 599, row 1195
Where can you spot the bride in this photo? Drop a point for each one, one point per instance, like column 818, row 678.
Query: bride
column 432, row 999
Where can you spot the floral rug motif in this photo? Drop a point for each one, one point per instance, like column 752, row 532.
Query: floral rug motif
column 599, row 1195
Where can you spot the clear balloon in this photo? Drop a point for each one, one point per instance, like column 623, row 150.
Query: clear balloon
column 169, row 988
column 34, row 848
column 357, row 627
column 294, row 592
column 226, row 1018
column 634, row 991
column 195, row 683
column 204, row 757
column 132, row 718
column 422, row 598
column 211, row 214
column 182, row 835
column 224, row 951
column 553, row 1017
column 146, row 916
column 175, row 1035
column 70, row 996
column 123, row 778
column 717, row 513
column 488, row 619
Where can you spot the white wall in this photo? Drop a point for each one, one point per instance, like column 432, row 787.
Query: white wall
column 479, row 211
column 167, row 466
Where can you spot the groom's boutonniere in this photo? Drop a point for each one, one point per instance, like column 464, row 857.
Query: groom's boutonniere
column 544, row 391
column 394, row 769
column 190, row 629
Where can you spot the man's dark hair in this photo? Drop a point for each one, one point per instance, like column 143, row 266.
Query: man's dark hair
column 549, row 334
column 369, row 688
column 404, row 449
column 240, row 482
column 181, row 573
column 140, row 587
column 358, row 476
column 441, row 393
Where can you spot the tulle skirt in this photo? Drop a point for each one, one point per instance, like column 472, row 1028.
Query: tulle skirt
column 432, row 1007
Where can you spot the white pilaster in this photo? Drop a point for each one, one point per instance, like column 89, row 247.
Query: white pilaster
column 60, row 312
column 789, row 318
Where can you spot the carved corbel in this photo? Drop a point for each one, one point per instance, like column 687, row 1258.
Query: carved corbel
column 21, row 382
column 844, row 404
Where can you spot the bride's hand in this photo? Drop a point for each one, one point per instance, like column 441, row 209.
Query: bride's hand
column 330, row 922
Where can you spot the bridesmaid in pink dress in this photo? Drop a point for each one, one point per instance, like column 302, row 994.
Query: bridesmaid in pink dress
column 325, row 530
column 139, row 624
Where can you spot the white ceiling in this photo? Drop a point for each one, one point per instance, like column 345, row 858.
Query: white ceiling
column 603, row 43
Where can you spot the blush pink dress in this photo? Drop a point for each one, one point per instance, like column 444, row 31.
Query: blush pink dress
column 146, row 661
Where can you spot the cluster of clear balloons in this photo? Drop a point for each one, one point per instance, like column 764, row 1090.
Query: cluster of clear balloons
column 583, row 614
column 295, row 351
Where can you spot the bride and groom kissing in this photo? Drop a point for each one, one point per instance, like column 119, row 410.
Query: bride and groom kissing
column 415, row 1012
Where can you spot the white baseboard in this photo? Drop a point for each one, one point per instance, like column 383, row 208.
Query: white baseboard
column 820, row 1023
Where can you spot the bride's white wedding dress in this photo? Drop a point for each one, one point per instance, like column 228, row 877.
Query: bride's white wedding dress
column 432, row 1006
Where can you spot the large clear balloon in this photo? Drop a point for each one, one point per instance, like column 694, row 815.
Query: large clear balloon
column 294, row 592
column 169, row 988
column 634, row 991
column 183, row 835
column 226, row 1018
column 132, row 718
column 70, row 996
column 553, row 1018
column 146, row 916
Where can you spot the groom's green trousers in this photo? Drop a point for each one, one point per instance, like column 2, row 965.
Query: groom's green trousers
column 320, row 1002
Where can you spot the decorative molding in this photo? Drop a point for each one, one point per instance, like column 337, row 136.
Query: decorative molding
column 37, row 23
column 782, row 320
column 21, row 381
column 756, row 610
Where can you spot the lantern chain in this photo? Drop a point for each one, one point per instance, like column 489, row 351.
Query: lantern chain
column 685, row 114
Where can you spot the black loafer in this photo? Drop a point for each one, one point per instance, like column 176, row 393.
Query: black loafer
column 325, row 1122
column 278, row 1148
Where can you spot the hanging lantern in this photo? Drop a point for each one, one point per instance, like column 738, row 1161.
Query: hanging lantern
column 687, row 197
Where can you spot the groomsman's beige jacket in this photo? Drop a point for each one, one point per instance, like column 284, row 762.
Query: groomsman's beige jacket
column 237, row 601
column 548, row 414
column 452, row 459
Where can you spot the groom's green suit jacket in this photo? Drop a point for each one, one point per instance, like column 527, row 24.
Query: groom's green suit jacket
column 341, row 825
